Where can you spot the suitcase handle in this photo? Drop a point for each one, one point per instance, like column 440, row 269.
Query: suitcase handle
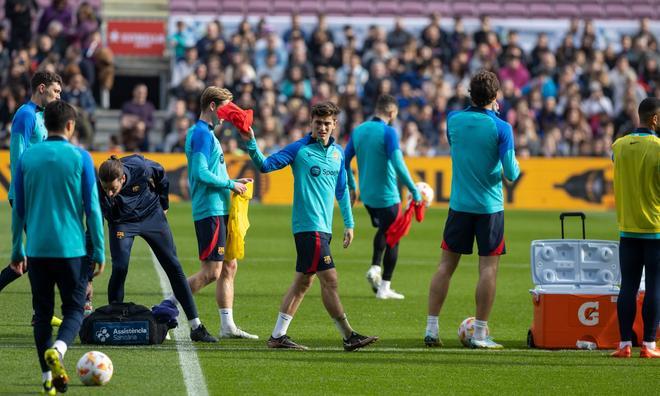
column 572, row 214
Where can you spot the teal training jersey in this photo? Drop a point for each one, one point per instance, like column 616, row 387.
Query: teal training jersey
column 380, row 160
column 208, row 179
column 481, row 147
column 319, row 177
column 27, row 128
column 55, row 192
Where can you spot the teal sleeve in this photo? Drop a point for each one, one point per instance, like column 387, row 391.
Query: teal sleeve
column 510, row 165
column 18, row 217
column 257, row 157
column 345, row 208
column 403, row 174
column 200, row 172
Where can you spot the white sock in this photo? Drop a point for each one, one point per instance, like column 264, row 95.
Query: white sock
column 343, row 326
column 194, row 323
column 480, row 329
column 282, row 325
column 432, row 326
column 624, row 344
column 173, row 299
column 227, row 320
column 384, row 286
column 47, row 376
column 61, row 347
column 649, row 345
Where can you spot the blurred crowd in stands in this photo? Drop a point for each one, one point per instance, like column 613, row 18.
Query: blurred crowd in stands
column 570, row 100
column 60, row 39
column 566, row 101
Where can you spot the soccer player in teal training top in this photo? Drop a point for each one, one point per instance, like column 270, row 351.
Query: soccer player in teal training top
column 380, row 162
column 209, row 191
column 481, row 150
column 28, row 128
column 54, row 196
column 319, row 177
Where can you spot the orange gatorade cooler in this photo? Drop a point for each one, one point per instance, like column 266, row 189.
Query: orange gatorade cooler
column 576, row 293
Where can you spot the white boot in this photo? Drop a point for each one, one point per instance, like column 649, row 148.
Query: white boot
column 385, row 293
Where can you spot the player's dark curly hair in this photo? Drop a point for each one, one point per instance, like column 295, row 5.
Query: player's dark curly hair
column 44, row 77
column 483, row 88
column 110, row 170
column 56, row 114
column 325, row 109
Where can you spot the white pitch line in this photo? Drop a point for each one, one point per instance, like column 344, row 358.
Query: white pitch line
column 192, row 371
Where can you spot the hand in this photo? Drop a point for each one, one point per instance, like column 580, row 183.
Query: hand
column 239, row 188
column 19, row 266
column 353, row 195
column 348, row 237
column 247, row 136
column 244, row 180
column 90, row 291
column 99, row 269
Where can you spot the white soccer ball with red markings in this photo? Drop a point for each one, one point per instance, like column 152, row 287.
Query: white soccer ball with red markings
column 425, row 191
column 466, row 331
column 94, row 368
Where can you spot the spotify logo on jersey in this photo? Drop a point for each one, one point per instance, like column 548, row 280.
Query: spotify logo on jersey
column 315, row 171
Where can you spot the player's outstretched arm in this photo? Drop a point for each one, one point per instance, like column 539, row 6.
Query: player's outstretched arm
column 276, row 161
column 92, row 209
column 507, row 152
column 161, row 183
column 18, row 220
column 395, row 155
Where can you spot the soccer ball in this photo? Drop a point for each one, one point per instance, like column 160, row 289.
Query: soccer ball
column 94, row 368
column 426, row 192
column 466, row 331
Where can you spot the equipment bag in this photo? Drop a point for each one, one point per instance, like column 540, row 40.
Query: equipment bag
column 122, row 324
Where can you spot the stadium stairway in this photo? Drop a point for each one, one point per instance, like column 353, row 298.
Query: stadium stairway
column 107, row 124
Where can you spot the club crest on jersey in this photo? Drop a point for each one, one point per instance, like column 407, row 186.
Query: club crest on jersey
column 327, row 260
column 120, row 235
column 315, row 171
column 136, row 188
column 221, row 250
column 335, row 155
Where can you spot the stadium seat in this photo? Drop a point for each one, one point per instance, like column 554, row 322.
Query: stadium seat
column 491, row 9
column 336, row 7
column 617, row 11
column 515, row 10
column 209, row 7
column 541, row 10
column 260, row 7
column 283, row 7
column 566, row 10
column 232, row 7
column 361, row 8
column 413, row 8
column 183, row 7
column 592, row 10
column 309, row 7
column 388, row 8
column 444, row 8
column 641, row 10
column 464, row 9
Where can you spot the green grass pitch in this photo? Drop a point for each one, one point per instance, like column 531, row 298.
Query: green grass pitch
column 397, row 364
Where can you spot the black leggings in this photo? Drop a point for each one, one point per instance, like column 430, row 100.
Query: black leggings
column 382, row 218
column 636, row 254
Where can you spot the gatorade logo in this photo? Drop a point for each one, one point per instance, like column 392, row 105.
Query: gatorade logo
column 588, row 313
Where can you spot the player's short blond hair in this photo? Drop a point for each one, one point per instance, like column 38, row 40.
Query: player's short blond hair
column 215, row 95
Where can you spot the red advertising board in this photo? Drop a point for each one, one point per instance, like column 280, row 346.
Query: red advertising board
column 136, row 38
